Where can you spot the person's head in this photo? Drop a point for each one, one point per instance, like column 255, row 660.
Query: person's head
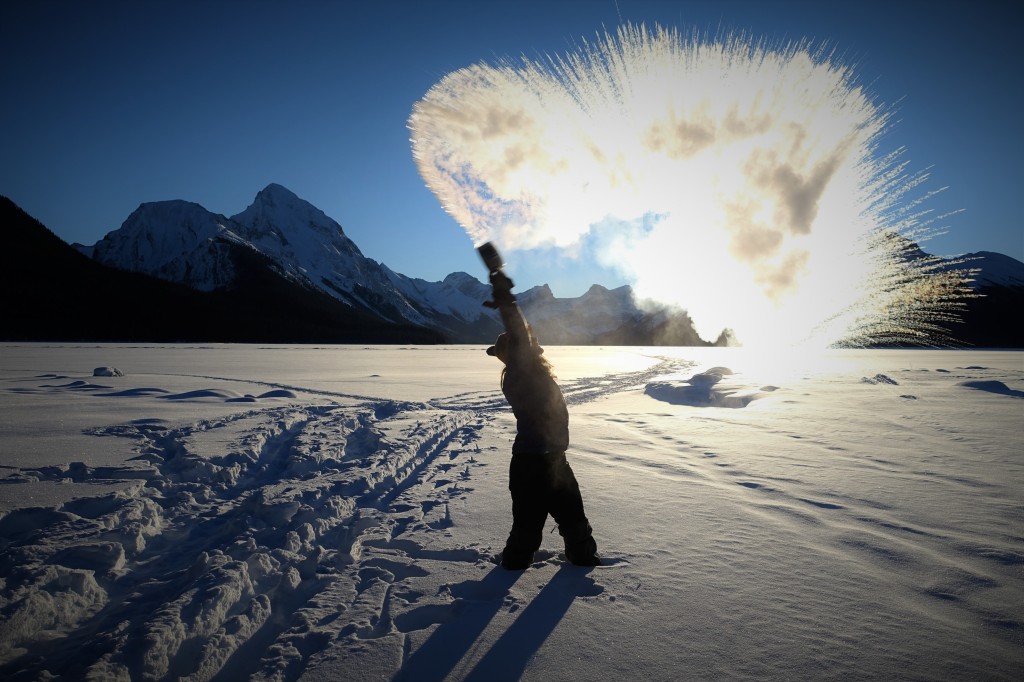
column 500, row 348
column 524, row 361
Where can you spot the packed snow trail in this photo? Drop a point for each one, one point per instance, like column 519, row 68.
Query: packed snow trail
column 240, row 539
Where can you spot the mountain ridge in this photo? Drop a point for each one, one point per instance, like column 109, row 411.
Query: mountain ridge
column 311, row 248
column 287, row 243
column 53, row 292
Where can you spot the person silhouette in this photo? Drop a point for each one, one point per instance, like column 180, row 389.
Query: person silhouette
column 540, row 479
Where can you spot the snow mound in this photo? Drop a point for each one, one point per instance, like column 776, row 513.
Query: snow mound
column 880, row 379
column 992, row 386
column 702, row 390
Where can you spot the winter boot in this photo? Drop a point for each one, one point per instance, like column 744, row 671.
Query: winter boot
column 516, row 560
column 523, row 541
column 580, row 547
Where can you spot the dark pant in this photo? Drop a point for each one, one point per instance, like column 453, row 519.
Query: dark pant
column 542, row 485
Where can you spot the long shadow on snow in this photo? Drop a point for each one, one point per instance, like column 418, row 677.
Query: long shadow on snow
column 450, row 642
column 508, row 657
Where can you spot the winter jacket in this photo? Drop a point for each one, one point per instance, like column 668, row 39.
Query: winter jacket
column 542, row 418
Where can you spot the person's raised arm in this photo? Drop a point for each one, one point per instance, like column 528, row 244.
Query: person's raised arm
column 511, row 316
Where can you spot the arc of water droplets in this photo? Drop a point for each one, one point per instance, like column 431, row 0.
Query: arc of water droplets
column 735, row 179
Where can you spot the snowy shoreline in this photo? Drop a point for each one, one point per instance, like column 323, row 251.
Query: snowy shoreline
column 225, row 512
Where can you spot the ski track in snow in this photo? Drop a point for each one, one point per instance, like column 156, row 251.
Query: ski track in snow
column 245, row 545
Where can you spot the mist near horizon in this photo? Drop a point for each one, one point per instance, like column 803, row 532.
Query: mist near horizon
column 739, row 180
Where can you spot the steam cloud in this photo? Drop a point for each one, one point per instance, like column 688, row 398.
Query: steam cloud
column 736, row 180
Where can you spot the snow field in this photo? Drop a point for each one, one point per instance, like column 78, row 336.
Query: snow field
column 239, row 512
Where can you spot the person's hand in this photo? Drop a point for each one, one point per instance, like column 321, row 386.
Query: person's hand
column 500, row 283
column 501, row 290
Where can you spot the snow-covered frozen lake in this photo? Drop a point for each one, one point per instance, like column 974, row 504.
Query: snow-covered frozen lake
column 233, row 512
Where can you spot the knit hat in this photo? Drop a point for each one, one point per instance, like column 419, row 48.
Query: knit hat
column 500, row 344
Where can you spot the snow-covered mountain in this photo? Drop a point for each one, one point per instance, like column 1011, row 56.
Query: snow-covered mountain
column 178, row 241
column 995, row 270
column 183, row 242
column 310, row 246
column 55, row 293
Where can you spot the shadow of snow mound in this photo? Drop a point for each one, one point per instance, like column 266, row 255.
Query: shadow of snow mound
column 992, row 387
column 278, row 393
column 703, row 390
column 219, row 394
column 229, row 396
column 77, row 385
column 135, row 392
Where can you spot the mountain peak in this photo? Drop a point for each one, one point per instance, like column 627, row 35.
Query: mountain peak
column 537, row 295
column 278, row 199
column 174, row 240
column 167, row 207
column 274, row 193
column 276, row 209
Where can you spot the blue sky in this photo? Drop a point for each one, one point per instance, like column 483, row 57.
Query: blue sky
column 110, row 104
